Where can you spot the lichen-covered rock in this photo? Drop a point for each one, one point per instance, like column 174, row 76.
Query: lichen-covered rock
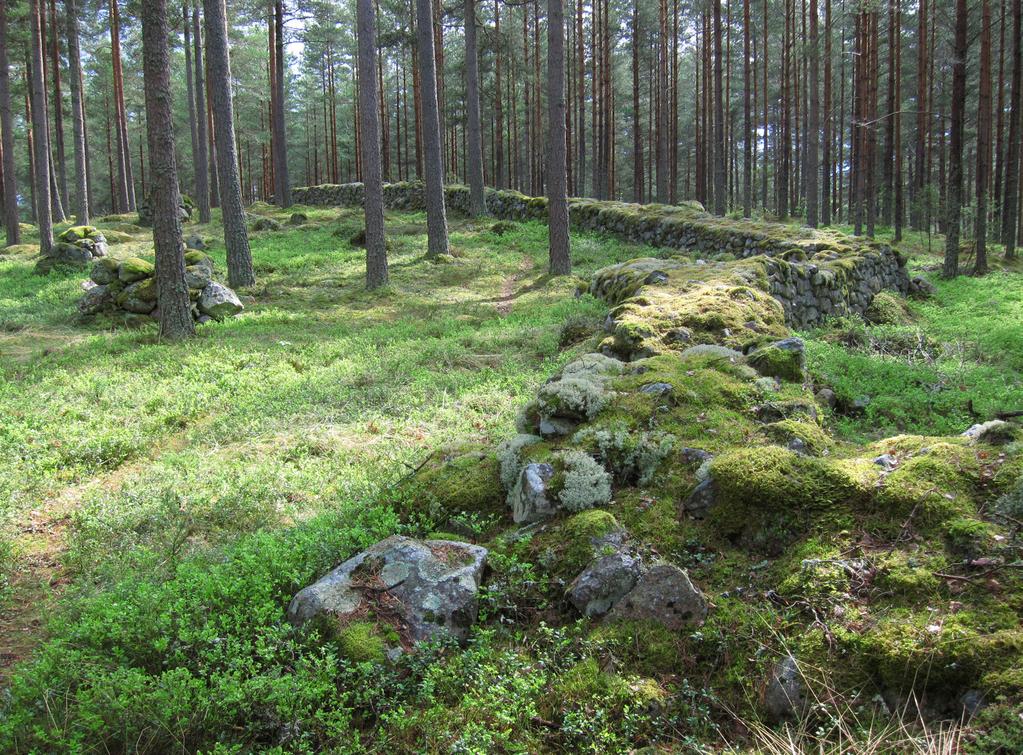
column 218, row 301
column 784, row 694
column 530, row 500
column 577, row 394
column 196, row 242
column 664, row 594
column 429, row 586
column 509, row 457
column 997, row 432
column 785, row 359
column 95, row 300
column 604, row 582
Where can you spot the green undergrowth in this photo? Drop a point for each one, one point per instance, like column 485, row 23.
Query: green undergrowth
column 211, row 480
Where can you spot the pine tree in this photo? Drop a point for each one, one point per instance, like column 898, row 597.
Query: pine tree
column 376, row 252
column 433, row 159
column 954, row 191
column 10, row 179
column 171, row 289
column 557, row 180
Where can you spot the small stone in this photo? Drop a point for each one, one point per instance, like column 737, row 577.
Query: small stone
column 701, row 499
column 218, row 301
column 997, row 432
column 551, row 427
column 657, row 389
column 664, row 594
column 826, row 397
column 887, row 462
column 195, row 241
column 604, row 582
column 528, row 498
column 785, row 693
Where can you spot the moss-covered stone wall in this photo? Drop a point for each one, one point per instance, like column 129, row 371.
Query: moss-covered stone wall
column 813, row 274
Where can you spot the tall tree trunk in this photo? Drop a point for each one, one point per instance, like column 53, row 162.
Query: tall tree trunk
column 433, row 159
column 282, row 185
column 899, row 209
column 11, row 218
column 499, row 180
column 766, row 123
column 954, row 201
column 474, row 158
column 171, row 289
column 825, row 205
column 811, row 167
column 202, row 180
column 186, row 16
column 920, row 214
column 124, row 185
column 236, row 238
column 638, row 192
column 983, row 137
column 58, row 107
column 747, row 116
column 557, row 167
column 720, row 199
column 1010, row 201
column 376, row 252
column 77, row 115
column 662, row 109
column 888, row 156
column 40, row 132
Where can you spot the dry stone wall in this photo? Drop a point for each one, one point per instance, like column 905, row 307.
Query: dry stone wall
column 812, row 274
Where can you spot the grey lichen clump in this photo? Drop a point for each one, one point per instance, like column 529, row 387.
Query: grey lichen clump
column 577, row 394
column 128, row 288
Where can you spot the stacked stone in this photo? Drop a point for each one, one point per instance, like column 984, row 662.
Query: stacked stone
column 128, row 288
column 76, row 248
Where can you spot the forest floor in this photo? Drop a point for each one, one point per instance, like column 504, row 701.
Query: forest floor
column 129, row 464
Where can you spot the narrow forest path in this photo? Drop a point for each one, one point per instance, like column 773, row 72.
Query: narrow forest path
column 509, row 289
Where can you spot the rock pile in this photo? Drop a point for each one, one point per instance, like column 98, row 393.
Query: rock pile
column 185, row 210
column 128, row 287
column 74, row 248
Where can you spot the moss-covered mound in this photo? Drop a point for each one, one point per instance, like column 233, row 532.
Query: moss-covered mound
column 690, row 449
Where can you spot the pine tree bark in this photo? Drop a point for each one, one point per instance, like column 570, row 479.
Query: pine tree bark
column 372, row 179
column 638, row 190
column 40, row 132
column 825, row 172
column 920, row 215
column 954, row 192
column 720, row 199
column 747, row 116
column 171, row 289
column 557, row 177
column 474, row 157
column 77, row 114
column 202, row 165
column 662, row 109
column 433, row 159
column 186, row 18
column 499, row 181
column 811, row 168
column 236, row 237
column 125, row 181
column 11, row 217
column 1010, row 200
column 58, row 108
column 282, row 184
column 983, row 137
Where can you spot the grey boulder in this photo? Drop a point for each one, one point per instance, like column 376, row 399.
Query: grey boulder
column 218, row 301
column 604, row 582
column 429, row 586
column 997, row 432
column 664, row 594
column 784, row 693
column 528, row 498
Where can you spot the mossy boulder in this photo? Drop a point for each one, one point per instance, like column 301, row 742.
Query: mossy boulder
column 458, row 488
column 888, row 308
column 801, row 436
column 785, row 359
column 135, row 269
column 766, row 496
column 565, row 547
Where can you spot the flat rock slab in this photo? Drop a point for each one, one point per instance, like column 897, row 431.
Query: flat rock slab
column 429, row 587
column 664, row 594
